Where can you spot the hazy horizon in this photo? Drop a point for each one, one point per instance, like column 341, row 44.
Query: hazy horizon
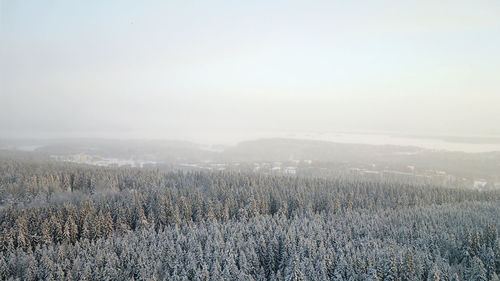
column 179, row 69
column 468, row 144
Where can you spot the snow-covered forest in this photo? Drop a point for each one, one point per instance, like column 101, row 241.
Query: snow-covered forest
column 75, row 222
column 250, row 140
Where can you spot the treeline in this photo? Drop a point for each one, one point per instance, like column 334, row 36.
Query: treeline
column 78, row 222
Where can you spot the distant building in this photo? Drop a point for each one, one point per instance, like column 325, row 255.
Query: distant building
column 355, row 170
column 480, row 184
column 291, row 170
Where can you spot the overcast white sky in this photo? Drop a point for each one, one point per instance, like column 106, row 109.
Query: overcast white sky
column 170, row 68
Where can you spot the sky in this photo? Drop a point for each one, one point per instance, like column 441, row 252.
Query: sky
column 177, row 68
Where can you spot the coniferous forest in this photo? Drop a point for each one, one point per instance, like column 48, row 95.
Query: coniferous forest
column 63, row 221
column 250, row 140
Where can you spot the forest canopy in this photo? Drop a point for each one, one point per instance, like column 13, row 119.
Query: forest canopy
column 78, row 222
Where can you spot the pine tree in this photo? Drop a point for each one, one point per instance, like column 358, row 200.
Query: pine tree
column 209, row 211
column 73, row 228
column 185, row 209
column 455, row 277
column 215, row 271
column 372, row 275
column 477, row 271
column 293, row 272
column 434, row 274
column 57, row 230
column 67, row 231
column 46, row 233
column 243, row 263
column 122, row 226
column 60, row 273
column 490, row 263
column 176, row 216
column 205, row 274
column 30, row 271
column 4, row 269
column 87, row 273
column 391, row 271
column 22, row 237
column 85, row 233
column 140, row 218
column 409, row 266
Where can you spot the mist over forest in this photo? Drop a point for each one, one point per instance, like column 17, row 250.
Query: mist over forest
column 250, row 140
column 269, row 209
